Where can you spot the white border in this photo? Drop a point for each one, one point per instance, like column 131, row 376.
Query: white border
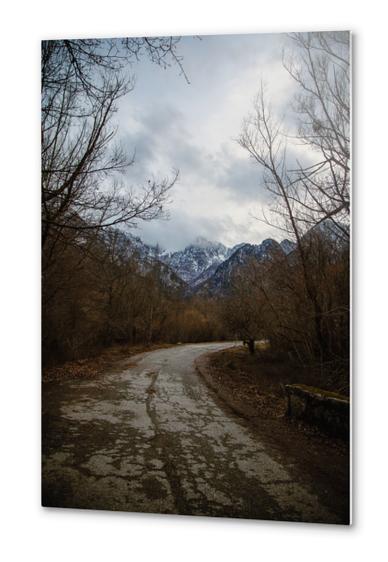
column 28, row 531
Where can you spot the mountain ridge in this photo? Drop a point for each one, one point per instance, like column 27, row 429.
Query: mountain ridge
column 204, row 266
column 200, row 261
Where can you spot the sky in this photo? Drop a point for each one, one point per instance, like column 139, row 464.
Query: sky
column 172, row 125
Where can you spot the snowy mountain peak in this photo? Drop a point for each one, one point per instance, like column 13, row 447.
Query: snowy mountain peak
column 198, row 261
column 193, row 260
column 287, row 246
column 219, row 279
column 206, row 265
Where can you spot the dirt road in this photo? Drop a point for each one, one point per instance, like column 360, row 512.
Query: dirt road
column 152, row 437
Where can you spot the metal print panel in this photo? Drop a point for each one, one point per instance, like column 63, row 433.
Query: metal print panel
column 195, row 262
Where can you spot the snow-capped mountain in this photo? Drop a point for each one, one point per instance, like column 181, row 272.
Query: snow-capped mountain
column 196, row 258
column 148, row 257
column 205, row 275
column 220, row 279
column 287, row 246
column 141, row 249
column 337, row 233
column 202, row 267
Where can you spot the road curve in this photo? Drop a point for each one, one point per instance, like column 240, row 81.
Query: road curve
column 153, row 438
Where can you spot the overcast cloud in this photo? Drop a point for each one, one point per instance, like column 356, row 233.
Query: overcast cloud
column 192, row 128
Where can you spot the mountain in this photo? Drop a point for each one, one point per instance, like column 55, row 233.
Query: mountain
column 147, row 256
column 202, row 277
column 287, row 246
column 206, row 267
column 196, row 258
column 141, row 249
column 336, row 233
column 220, row 279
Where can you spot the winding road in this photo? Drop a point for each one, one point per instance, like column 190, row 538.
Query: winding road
column 152, row 437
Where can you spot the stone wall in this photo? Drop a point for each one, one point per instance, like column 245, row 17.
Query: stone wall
column 326, row 410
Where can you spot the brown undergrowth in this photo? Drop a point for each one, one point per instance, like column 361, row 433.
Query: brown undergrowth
column 252, row 387
column 93, row 366
column 258, row 379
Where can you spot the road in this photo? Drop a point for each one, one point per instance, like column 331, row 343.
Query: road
column 151, row 437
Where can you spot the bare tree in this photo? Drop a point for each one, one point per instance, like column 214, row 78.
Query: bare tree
column 307, row 195
column 262, row 137
column 317, row 190
column 82, row 169
column 321, row 68
column 243, row 307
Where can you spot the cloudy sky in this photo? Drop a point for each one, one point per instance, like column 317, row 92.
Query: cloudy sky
column 192, row 128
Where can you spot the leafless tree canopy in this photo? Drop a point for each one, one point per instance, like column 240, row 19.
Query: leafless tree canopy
column 309, row 197
column 307, row 194
column 82, row 166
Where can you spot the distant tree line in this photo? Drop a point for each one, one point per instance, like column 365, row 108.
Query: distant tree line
column 270, row 301
column 109, row 295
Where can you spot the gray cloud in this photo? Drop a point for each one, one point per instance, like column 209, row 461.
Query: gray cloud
column 192, row 127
